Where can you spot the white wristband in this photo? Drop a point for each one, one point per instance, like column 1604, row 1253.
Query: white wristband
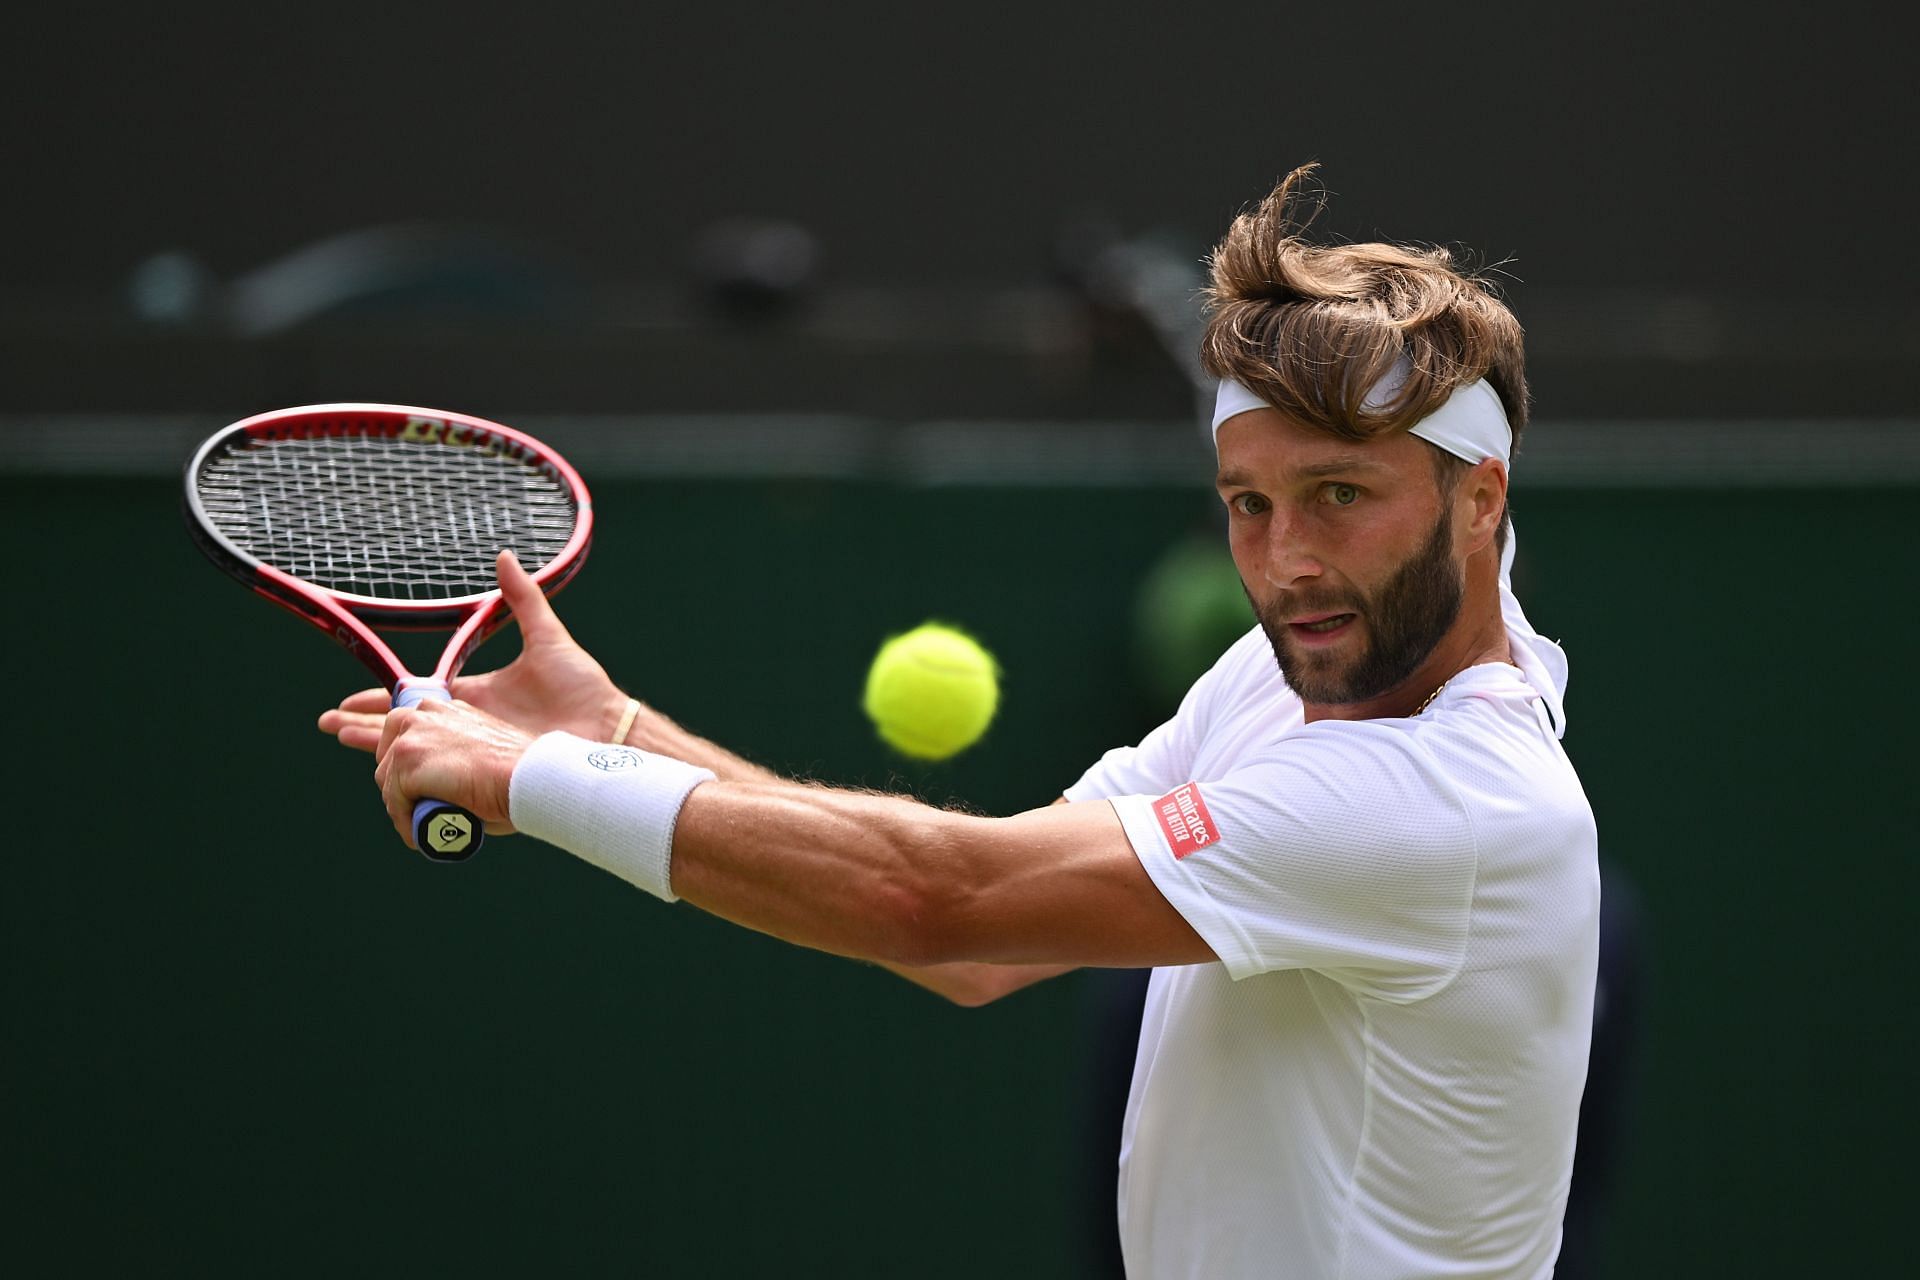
column 613, row 806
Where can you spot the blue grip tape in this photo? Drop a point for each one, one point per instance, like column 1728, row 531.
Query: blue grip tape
column 414, row 690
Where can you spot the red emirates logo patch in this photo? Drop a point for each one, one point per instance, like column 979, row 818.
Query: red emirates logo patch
column 1184, row 820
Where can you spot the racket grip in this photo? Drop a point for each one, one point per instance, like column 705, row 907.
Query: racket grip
column 443, row 832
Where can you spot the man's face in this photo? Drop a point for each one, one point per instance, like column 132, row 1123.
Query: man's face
column 1346, row 551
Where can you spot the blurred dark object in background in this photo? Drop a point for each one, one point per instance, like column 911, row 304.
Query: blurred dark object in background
column 1690, row 226
column 1140, row 294
column 1104, row 333
column 470, row 321
column 756, row 270
column 393, row 276
column 1612, row 1072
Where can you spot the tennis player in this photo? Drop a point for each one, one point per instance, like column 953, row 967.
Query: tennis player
column 1357, row 859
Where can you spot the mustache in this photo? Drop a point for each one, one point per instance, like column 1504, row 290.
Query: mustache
column 1288, row 604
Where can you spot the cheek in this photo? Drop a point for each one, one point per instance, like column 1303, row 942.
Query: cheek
column 1248, row 548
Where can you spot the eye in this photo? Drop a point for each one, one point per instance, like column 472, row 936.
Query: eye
column 1342, row 495
column 1249, row 504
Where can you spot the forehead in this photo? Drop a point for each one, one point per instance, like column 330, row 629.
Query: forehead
column 1265, row 446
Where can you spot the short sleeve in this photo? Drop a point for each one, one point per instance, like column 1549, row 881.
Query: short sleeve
column 1342, row 848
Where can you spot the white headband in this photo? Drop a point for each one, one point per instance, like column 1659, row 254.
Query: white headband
column 1470, row 424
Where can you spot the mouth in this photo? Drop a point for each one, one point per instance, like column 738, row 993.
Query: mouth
column 1322, row 629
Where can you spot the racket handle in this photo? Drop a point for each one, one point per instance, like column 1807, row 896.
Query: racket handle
column 443, row 832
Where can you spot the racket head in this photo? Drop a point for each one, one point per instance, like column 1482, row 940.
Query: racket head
column 393, row 513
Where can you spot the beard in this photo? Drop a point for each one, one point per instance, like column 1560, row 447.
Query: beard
column 1405, row 620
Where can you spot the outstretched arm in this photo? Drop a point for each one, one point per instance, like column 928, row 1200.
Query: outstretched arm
column 870, row 876
column 555, row 685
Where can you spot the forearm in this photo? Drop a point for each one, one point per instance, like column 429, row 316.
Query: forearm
column 835, row 849
column 765, row 851
column 854, row 873
column 968, row 983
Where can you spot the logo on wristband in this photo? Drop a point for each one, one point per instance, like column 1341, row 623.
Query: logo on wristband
column 616, row 759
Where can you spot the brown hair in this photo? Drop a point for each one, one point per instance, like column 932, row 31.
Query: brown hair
column 1310, row 328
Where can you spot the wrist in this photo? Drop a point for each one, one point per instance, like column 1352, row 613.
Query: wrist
column 613, row 806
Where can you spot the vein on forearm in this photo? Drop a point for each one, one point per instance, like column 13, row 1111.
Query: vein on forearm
column 858, row 874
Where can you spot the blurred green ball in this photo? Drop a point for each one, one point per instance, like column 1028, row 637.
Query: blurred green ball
column 1189, row 610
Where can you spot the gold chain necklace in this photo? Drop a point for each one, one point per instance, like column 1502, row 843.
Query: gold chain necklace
column 1428, row 700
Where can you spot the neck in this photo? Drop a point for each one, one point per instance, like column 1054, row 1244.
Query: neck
column 1478, row 636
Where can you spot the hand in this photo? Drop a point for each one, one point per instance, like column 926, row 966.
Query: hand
column 452, row 751
column 553, row 684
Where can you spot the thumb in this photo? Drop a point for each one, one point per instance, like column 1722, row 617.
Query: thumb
column 538, row 622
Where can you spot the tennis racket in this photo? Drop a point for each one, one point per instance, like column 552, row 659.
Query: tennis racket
column 357, row 516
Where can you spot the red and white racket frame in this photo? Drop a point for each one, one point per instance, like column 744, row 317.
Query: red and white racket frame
column 350, row 619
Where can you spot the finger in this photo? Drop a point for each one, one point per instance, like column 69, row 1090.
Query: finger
column 538, row 622
column 399, row 809
column 360, row 732
column 367, row 700
column 397, row 721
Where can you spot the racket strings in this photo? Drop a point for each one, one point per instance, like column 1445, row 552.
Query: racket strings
column 376, row 516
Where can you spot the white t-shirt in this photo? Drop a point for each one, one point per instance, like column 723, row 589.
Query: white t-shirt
column 1381, row 1076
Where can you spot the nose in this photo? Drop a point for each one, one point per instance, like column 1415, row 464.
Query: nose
column 1289, row 558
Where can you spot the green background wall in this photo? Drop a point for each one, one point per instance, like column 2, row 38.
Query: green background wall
column 249, row 1033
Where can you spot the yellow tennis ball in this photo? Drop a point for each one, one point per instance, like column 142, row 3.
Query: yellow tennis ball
column 932, row 692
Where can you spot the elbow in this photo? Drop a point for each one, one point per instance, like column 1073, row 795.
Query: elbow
column 916, row 929
column 973, row 995
column 927, row 911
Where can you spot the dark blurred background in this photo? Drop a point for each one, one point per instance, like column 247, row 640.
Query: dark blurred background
column 852, row 317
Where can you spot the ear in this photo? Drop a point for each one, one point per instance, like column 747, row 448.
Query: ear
column 1482, row 498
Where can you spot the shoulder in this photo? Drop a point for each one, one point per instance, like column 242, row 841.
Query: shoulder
column 1492, row 738
column 1490, row 730
column 1334, row 786
column 1431, row 780
column 1363, row 788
